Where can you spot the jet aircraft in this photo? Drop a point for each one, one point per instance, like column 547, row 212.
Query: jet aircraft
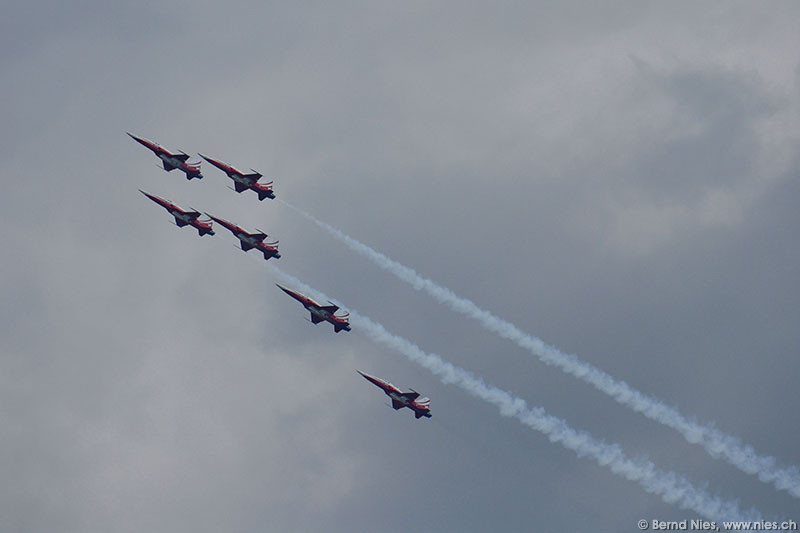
column 321, row 312
column 171, row 160
column 183, row 218
column 400, row 399
column 242, row 181
column 250, row 240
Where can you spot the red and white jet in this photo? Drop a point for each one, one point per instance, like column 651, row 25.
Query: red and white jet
column 171, row 160
column 400, row 399
column 242, row 181
column 250, row 240
column 321, row 312
column 183, row 218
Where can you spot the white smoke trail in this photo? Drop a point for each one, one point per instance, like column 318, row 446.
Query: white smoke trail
column 672, row 488
column 717, row 443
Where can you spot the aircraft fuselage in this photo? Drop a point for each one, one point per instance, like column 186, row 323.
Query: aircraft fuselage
column 321, row 313
column 252, row 241
column 241, row 179
column 171, row 161
column 258, row 244
column 183, row 217
column 400, row 398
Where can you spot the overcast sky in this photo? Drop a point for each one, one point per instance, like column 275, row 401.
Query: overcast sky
column 619, row 179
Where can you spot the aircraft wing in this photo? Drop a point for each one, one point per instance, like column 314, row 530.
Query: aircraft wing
column 413, row 395
column 193, row 214
column 239, row 187
column 260, row 236
column 315, row 319
column 246, row 246
column 169, row 167
column 397, row 404
column 254, row 177
column 182, row 157
column 180, row 223
column 330, row 308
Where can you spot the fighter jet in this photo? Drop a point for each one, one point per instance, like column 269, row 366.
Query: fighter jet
column 250, row 240
column 171, row 160
column 400, row 399
column 183, row 218
column 321, row 312
column 242, row 181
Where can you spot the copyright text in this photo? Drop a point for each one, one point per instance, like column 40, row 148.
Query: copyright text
column 705, row 525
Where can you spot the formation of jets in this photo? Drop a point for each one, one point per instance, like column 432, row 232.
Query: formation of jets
column 242, row 182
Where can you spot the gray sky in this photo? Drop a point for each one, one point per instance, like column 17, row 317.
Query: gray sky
column 619, row 179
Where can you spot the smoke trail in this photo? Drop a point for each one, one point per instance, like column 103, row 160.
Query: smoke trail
column 672, row 488
column 717, row 443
